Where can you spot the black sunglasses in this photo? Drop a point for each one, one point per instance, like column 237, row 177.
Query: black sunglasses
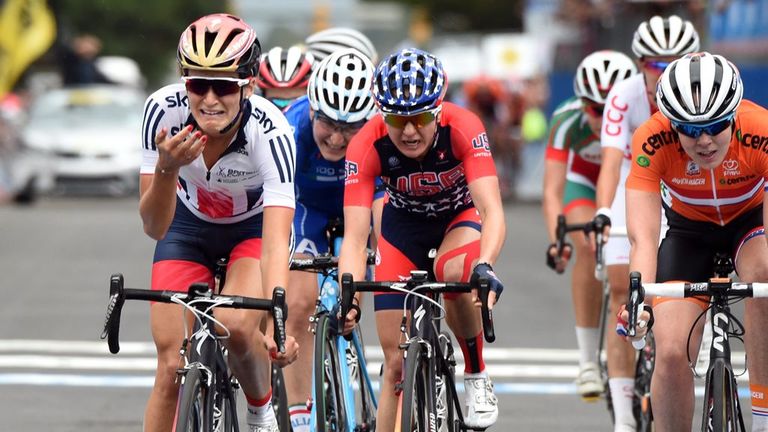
column 220, row 86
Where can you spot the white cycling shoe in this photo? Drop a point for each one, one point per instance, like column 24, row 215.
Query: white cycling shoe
column 589, row 385
column 273, row 427
column 266, row 422
column 482, row 405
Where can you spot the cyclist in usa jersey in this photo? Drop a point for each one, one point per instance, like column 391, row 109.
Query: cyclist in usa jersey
column 570, row 173
column 217, row 180
column 323, row 123
column 708, row 149
column 629, row 104
column 443, row 194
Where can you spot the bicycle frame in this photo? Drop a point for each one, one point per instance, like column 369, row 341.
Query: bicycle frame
column 327, row 301
column 722, row 291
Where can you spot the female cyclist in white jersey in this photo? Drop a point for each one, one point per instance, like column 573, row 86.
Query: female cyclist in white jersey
column 217, row 181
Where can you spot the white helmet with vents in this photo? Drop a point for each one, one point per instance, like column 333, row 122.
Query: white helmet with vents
column 600, row 71
column 700, row 87
column 324, row 42
column 340, row 87
column 665, row 37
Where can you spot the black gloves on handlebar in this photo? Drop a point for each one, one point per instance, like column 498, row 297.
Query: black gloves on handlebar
column 484, row 270
column 602, row 219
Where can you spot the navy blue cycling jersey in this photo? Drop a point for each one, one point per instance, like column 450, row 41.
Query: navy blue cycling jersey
column 319, row 183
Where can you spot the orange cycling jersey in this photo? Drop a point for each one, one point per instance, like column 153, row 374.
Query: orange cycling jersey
column 718, row 195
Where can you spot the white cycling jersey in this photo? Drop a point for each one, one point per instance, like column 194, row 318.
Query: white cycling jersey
column 256, row 171
column 626, row 108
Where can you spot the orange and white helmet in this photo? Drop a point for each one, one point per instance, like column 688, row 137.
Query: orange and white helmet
column 219, row 42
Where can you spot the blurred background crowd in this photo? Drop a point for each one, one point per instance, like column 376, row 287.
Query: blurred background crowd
column 74, row 73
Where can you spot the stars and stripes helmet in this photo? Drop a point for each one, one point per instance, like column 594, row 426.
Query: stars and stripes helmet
column 699, row 87
column 340, row 87
column 665, row 37
column 409, row 82
column 284, row 68
column 598, row 73
column 219, row 42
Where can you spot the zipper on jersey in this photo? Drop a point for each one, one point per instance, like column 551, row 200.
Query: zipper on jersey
column 714, row 196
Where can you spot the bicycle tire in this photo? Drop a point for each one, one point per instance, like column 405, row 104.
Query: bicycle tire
column 365, row 408
column 444, row 391
column 280, row 399
column 415, row 410
column 720, row 409
column 192, row 410
column 328, row 398
column 641, row 400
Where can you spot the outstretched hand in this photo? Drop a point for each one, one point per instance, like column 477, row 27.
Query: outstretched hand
column 179, row 150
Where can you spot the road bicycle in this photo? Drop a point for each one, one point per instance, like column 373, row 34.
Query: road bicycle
column 343, row 398
column 722, row 410
column 208, row 392
column 428, row 397
column 641, row 399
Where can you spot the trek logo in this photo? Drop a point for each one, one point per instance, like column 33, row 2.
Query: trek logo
column 720, row 336
column 177, row 100
column 659, row 140
column 615, row 115
column 756, row 142
column 481, row 142
column 430, row 182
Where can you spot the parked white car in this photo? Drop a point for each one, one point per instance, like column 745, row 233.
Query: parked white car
column 90, row 135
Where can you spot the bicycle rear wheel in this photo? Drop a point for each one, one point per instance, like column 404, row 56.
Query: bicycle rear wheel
column 641, row 400
column 328, row 397
column 416, row 411
column 280, row 399
column 192, row 411
column 720, row 411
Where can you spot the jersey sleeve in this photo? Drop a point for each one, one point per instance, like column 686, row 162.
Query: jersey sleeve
column 470, row 144
column 362, row 167
column 616, row 132
column 158, row 114
column 647, row 167
column 278, row 160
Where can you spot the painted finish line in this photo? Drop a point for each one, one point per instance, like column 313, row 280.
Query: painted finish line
column 89, row 364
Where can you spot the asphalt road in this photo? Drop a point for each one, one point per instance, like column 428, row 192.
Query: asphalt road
column 56, row 375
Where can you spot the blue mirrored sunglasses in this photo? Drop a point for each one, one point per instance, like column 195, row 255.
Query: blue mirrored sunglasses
column 657, row 65
column 695, row 130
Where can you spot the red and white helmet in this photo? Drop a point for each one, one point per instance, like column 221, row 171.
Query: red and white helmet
column 219, row 42
column 285, row 68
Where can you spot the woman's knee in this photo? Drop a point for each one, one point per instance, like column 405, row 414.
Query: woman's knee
column 242, row 326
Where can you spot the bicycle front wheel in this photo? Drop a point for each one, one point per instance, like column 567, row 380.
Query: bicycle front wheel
column 641, row 401
column 280, row 399
column 192, row 409
column 416, row 410
column 720, row 406
column 329, row 401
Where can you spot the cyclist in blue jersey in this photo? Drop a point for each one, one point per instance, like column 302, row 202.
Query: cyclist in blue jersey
column 323, row 123
column 217, row 180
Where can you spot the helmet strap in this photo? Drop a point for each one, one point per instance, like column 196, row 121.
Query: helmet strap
column 235, row 120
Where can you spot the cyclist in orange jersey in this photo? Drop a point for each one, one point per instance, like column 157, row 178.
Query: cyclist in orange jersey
column 704, row 158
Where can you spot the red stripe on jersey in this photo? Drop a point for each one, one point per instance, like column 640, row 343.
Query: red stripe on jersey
column 556, row 154
column 213, row 204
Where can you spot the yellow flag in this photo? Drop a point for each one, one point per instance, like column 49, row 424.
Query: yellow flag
column 27, row 30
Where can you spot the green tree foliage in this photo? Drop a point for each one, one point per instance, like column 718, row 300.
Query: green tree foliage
column 145, row 30
column 475, row 16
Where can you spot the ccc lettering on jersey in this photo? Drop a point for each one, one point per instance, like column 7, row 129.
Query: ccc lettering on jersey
column 614, row 114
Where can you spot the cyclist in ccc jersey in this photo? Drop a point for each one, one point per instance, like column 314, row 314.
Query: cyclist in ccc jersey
column 707, row 149
column 656, row 42
column 443, row 194
column 570, row 173
column 217, row 180
column 323, row 123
